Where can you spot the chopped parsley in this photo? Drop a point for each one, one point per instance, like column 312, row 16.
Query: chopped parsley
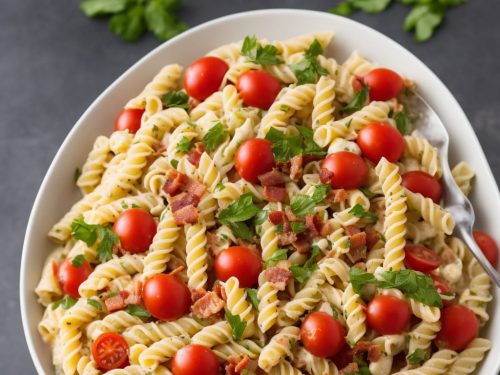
column 303, row 205
column 280, row 254
column 66, row 303
column 78, row 260
column 90, row 233
column 214, row 137
column 237, row 325
column 360, row 212
column 175, row 99
column 137, row 310
column 257, row 54
column 309, row 69
column 185, row 145
column 358, row 102
column 252, row 294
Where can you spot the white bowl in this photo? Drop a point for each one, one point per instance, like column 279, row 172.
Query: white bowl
column 57, row 192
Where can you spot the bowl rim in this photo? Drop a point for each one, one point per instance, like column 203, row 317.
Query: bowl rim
column 24, row 294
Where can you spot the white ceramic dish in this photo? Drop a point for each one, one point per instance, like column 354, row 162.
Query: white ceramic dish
column 57, row 192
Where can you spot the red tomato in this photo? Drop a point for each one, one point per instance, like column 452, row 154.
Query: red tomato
column 258, row 88
column 459, row 326
column 130, row 119
column 423, row 183
column 70, row 276
column 110, row 351
column 377, row 140
column 420, row 258
column 349, row 170
column 322, row 335
column 136, row 229
column 253, row 158
column 388, row 315
column 166, row 297
column 442, row 287
column 204, row 77
column 240, row 262
column 384, row 84
column 488, row 246
column 195, row 359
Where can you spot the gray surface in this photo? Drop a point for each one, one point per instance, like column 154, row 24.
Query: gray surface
column 54, row 61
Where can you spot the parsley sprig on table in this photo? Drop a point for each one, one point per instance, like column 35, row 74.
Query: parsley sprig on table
column 131, row 18
column 423, row 19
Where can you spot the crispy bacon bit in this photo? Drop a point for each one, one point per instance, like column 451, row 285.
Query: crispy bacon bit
column 115, row 303
column 195, row 188
column 220, row 291
column 276, row 217
column 372, row 237
column 302, row 243
column 357, row 254
column 196, row 294
column 213, row 243
column 290, row 215
column 195, row 155
column 236, row 364
column 232, row 175
column 326, row 229
column 286, row 238
column 314, row 225
column 357, row 83
column 296, row 167
column 360, row 265
column 358, row 240
column 351, row 229
column 175, row 182
column 350, row 368
column 274, row 193
column 177, row 270
column 182, row 200
column 374, row 351
column 192, row 102
column 278, row 276
column 207, row 305
column 283, row 166
column 186, row 215
column 273, row 178
column 135, row 297
column 325, row 175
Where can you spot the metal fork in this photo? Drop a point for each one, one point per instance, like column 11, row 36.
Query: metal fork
column 428, row 123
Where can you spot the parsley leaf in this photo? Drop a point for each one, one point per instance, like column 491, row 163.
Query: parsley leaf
column 161, row 20
column 94, row 8
column 174, row 163
column 343, row 9
column 130, row 24
column 261, row 217
column 310, row 147
column 360, row 278
column 358, row 102
column 137, row 310
column 297, row 226
column 82, row 231
column 107, row 238
column 237, row 324
column 240, row 210
column 303, row 205
column 257, row 54
column 280, row 254
column 252, row 294
column 242, row 230
column 368, row 193
column 78, row 260
column 360, row 212
column 95, row 303
column 370, row 6
column 403, row 123
column 220, row 186
column 175, row 99
column 309, row 69
column 304, row 272
column 284, row 146
column 214, row 137
column 185, row 145
column 418, row 356
column 66, row 303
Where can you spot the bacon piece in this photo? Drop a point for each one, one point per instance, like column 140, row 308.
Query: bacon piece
column 325, row 175
column 357, row 254
column 296, row 167
column 326, row 229
column 273, row 178
column 207, row 305
column 314, row 225
column 276, row 217
column 350, row 368
column 196, row 294
column 302, row 243
column 195, row 188
column 360, row 265
column 278, row 276
column 357, row 240
column 374, row 351
column 182, row 200
column 195, row 155
column 372, row 237
column 286, row 238
column 186, row 215
column 135, row 297
column 351, row 229
column 236, row 364
column 115, row 303
column 290, row 215
column 220, row 291
column 177, row 270
column 283, row 166
column 175, row 182
column 192, row 102
column 274, row 193
column 336, row 196
column 357, row 83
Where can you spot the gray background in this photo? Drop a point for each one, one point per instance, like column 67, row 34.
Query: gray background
column 54, row 61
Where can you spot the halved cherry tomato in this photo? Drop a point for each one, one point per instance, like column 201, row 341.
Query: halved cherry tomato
column 488, row 246
column 322, row 335
column 136, row 229
column 377, row 140
column 194, row 359
column 423, row 183
column 349, row 170
column 258, row 88
column 70, row 276
column 420, row 258
column 459, row 326
column 129, row 119
column 384, row 84
column 166, row 297
column 442, row 287
column 253, row 158
column 240, row 262
column 204, row 77
column 110, row 351
column 388, row 315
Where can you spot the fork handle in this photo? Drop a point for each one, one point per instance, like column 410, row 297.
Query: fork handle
column 478, row 254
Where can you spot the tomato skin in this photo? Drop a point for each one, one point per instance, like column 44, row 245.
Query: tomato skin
column 136, row 229
column 240, row 262
column 384, row 84
column 258, row 88
column 488, row 246
column 129, row 118
column 420, row 258
column 459, row 326
column 166, row 297
column 378, row 139
column 322, row 335
column 349, row 170
column 423, row 183
column 442, row 287
column 110, row 351
column 253, row 158
column 194, row 359
column 204, row 77
column 388, row 315
column 70, row 277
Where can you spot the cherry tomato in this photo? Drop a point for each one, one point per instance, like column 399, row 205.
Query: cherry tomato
column 195, row 359
column 377, row 140
column 442, row 287
column 322, row 335
column 349, row 170
column 488, row 246
column 258, row 88
column 130, row 119
column 420, row 258
column 166, row 297
column 110, row 351
column 204, row 77
column 423, row 183
column 136, row 229
column 384, row 84
column 459, row 326
column 70, row 276
column 253, row 158
column 240, row 262
column 388, row 315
